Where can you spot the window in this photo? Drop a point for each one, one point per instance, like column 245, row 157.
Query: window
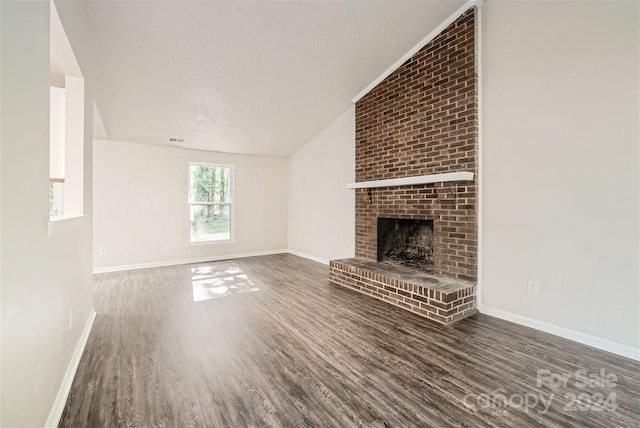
column 66, row 148
column 210, row 202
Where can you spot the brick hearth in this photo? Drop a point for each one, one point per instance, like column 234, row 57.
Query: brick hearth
column 439, row 299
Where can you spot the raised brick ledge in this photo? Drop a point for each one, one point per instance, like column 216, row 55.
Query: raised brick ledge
column 439, row 299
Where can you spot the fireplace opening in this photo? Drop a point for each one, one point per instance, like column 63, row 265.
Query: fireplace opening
column 406, row 242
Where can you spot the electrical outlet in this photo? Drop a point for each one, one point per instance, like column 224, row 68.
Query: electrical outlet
column 533, row 287
column 343, row 248
column 158, row 246
column 70, row 319
column 262, row 239
column 102, row 250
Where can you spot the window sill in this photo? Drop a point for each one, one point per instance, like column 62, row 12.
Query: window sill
column 198, row 243
column 64, row 222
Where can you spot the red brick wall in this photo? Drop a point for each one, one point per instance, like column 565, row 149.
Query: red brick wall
column 423, row 119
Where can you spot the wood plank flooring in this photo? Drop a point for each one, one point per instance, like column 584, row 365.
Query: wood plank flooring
column 269, row 342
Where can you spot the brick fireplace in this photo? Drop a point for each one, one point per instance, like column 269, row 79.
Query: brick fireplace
column 420, row 121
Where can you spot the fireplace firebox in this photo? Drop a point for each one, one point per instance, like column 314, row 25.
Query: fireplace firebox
column 406, row 242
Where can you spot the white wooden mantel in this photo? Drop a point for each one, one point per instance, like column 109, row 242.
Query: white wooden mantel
column 419, row 179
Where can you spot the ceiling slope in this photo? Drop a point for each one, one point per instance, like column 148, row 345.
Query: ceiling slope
column 241, row 77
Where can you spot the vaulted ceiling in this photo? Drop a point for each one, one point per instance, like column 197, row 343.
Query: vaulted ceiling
column 241, row 77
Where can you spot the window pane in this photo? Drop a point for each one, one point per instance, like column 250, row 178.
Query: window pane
column 210, row 183
column 210, row 222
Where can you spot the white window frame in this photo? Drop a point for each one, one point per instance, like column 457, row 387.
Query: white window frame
column 230, row 204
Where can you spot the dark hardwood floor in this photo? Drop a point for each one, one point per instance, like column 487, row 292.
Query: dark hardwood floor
column 269, row 342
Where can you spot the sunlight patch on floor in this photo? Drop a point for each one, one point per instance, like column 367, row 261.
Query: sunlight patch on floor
column 210, row 282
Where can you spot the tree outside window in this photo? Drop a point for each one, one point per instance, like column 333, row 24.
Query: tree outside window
column 210, row 202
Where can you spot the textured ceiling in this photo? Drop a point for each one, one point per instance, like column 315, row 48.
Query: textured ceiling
column 241, row 77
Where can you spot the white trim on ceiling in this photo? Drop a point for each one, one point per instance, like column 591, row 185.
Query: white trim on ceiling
column 422, row 43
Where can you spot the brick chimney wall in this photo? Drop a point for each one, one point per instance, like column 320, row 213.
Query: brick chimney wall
column 423, row 119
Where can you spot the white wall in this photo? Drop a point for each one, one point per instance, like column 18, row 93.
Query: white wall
column 140, row 201
column 560, row 122
column 321, row 208
column 43, row 277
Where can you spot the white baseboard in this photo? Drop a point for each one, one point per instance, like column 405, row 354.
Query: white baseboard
column 576, row 336
column 61, row 398
column 185, row 261
column 308, row 256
